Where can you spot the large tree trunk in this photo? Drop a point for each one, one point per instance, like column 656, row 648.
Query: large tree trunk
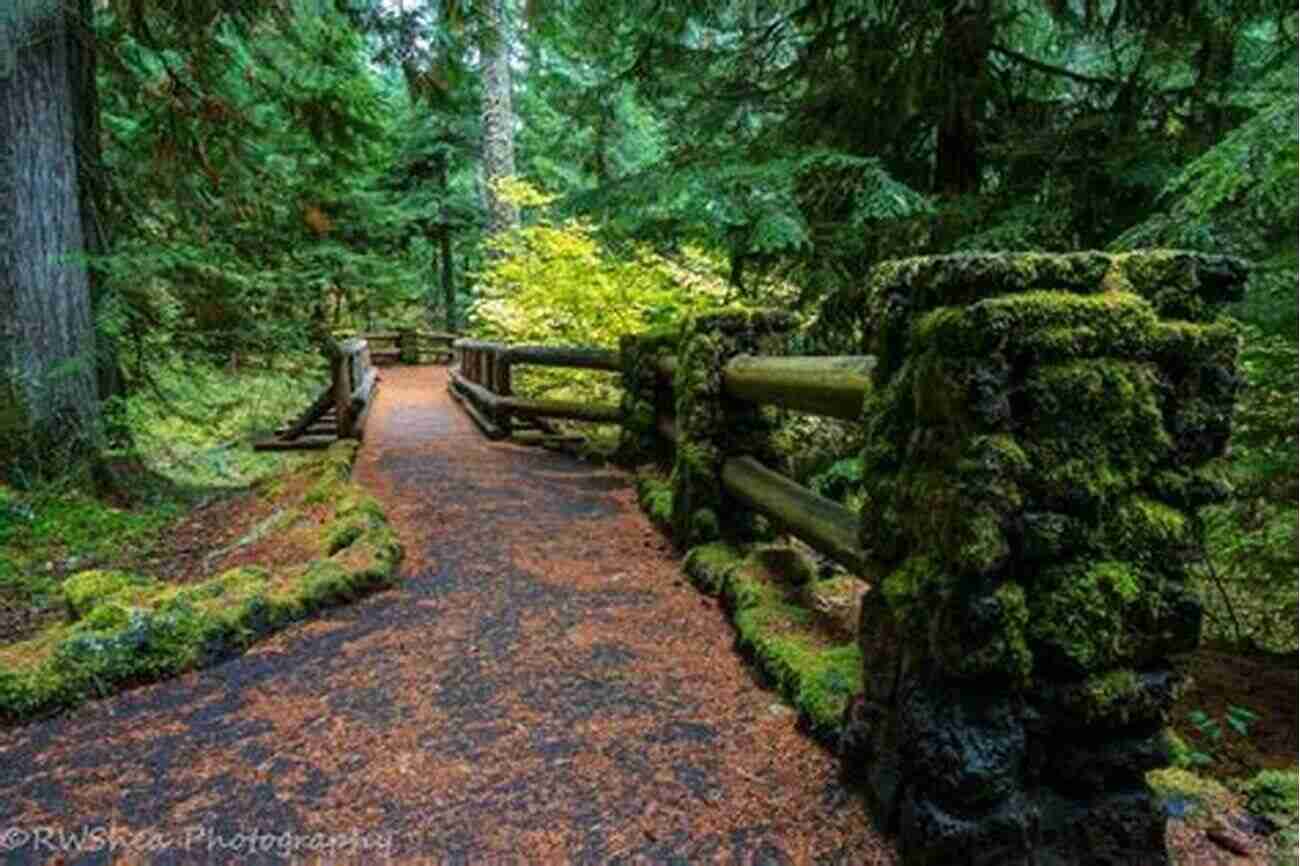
column 498, row 113
column 91, row 183
column 48, row 390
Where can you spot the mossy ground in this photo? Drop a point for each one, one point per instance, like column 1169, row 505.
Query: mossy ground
column 796, row 643
column 116, row 628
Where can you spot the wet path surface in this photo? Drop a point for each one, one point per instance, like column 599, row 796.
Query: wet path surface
column 543, row 687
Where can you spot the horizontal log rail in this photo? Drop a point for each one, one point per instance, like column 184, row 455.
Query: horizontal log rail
column 407, row 346
column 833, row 386
column 824, row 525
column 561, row 356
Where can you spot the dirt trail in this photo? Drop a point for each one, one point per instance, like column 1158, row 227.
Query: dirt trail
column 542, row 688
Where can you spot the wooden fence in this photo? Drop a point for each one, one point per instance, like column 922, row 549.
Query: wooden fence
column 481, row 381
column 832, row 386
column 341, row 409
column 829, row 386
column 405, row 345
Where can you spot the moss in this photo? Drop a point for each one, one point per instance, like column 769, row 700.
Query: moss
column 785, row 564
column 711, row 565
column 356, row 514
column 132, row 629
column 86, row 589
column 325, row 489
column 818, row 680
column 1196, row 796
column 906, row 584
column 656, row 498
column 1273, row 794
column 1042, row 324
column 1148, row 532
column 337, row 460
column 1086, row 618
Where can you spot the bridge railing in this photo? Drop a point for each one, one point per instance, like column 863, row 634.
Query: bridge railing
column 341, row 409
column 832, row 386
column 405, row 345
column 482, row 381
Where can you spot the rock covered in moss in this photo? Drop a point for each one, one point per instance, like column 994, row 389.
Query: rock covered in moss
column 1036, row 444
column 644, row 395
column 711, row 427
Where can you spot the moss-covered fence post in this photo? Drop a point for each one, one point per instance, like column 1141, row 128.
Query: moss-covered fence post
column 711, row 426
column 1037, row 439
column 645, row 396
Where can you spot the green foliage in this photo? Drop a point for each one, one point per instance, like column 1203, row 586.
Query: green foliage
column 555, row 283
column 1236, row 721
column 1249, row 575
column 1273, row 794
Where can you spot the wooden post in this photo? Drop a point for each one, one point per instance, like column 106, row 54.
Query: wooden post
column 499, row 382
column 342, row 378
column 408, row 346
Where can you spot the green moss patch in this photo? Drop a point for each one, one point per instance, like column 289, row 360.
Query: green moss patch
column 801, row 650
column 124, row 629
column 655, row 493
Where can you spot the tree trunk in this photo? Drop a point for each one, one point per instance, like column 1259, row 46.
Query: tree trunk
column 83, row 60
column 498, row 114
column 967, row 36
column 444, row 247
column 48, row 390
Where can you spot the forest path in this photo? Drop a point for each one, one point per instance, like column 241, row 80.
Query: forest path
column 543, row 687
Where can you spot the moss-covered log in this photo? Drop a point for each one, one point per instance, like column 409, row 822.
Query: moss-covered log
column 831, row 386
column 824, row 525
column 646, row 396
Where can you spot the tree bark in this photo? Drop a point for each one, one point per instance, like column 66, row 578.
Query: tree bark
column 444, row 247
column 967, row 40
column 83, row 61
column 48, row 389
column 498, row 113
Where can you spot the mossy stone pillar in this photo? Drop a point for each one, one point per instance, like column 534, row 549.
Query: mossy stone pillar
column 645, row 396
column 1037, row 439
column 711, row 426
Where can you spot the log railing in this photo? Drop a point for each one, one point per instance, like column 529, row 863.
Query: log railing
column 340, row 410
column 405, row 345
column 830, row 386
column 481, row 380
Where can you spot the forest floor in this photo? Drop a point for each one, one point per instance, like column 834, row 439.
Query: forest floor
column 544, row 685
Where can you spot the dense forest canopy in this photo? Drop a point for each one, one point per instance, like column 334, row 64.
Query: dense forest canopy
column 254, row 176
